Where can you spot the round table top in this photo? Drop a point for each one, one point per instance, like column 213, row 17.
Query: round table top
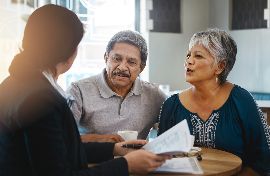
column 215, row 162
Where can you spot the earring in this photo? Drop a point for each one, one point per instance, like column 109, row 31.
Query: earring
column 217, row 80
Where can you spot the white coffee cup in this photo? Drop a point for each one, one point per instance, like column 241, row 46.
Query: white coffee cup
column 128, row 135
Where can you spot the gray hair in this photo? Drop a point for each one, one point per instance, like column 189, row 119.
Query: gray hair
column 220, row 45
column 130, row 37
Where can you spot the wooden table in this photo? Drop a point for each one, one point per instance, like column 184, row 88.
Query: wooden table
column 216, row 162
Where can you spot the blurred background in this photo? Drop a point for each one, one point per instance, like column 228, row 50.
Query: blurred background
column 166, row 24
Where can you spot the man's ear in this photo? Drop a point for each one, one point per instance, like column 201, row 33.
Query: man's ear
column 105, row 57
column 221, row 67
column 142, row 67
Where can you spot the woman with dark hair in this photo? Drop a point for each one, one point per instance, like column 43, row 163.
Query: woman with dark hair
column 220, row 114
column 38, row 133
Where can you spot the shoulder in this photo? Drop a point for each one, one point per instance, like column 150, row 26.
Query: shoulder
column 172, row 100
column 43, row 102
column 43, row 94
column 151, row 89
column 240, row 94
column 31, row 103
column 148, row 86
column 238, row 90
column 83, row 85
column 245, row 104
column 85, row 82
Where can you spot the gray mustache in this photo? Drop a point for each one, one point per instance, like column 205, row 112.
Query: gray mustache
column 124, row 74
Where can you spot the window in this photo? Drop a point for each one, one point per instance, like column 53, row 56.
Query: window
column 102, row 19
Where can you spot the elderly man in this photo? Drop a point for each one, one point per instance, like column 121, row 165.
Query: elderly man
column 117, row 99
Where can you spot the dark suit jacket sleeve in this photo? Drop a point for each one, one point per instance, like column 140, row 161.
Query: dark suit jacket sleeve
column 115, row 167
column 47, row 145
column 95, row 155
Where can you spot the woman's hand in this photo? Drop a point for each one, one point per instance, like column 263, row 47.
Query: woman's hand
column 142, row 161
column 101, row 138
column 139, row 161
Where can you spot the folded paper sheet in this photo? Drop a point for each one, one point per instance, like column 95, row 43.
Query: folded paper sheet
column 188, row 165
column 175, row 141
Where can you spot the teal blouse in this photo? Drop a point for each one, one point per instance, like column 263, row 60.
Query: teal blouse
column 238, row 127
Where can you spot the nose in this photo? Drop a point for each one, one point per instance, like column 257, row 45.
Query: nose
column 123, row 65
column 189, row 60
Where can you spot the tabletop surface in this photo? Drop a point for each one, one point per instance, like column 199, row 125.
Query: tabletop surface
column 216, row 162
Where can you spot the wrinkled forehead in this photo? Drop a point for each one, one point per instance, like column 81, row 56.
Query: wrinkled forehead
column 124, row 49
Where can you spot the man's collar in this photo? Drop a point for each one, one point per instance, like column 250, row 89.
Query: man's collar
column 137, row 87
column 106, row 92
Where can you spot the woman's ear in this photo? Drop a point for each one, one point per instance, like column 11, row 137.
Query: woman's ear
column 64, row 66
column 220, row 67
column 71, row 59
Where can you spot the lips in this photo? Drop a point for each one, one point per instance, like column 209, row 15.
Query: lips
column 189, row 70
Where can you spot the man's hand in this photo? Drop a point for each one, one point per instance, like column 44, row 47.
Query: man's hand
column 101, row 138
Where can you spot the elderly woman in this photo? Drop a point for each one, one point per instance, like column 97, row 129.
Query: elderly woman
column 220, row 114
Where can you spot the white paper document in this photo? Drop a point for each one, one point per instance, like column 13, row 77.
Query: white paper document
column 174, row 141
column 181, row 165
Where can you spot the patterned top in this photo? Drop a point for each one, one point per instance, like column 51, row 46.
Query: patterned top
column 238, row 126
column 204, row 132
column 97, row 109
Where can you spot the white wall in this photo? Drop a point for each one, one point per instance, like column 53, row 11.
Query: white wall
column 167, row 51
column 252, row 67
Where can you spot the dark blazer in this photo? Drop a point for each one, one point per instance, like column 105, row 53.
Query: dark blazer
column 39, row 136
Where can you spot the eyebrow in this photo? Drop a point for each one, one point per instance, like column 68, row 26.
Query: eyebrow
column 129, row 58
column 198, row 52
column 116, row 54
column 133, row 59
